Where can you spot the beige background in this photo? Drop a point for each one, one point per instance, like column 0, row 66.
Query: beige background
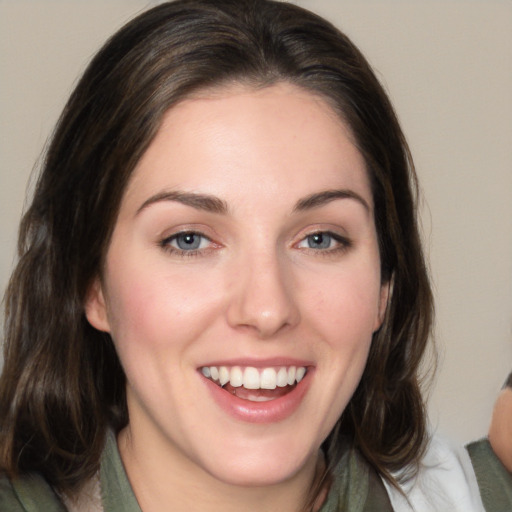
column 447, row 65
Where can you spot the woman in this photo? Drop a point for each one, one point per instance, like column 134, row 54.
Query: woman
column 221, row 299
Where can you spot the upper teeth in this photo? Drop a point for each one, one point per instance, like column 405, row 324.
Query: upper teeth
column 255, row 378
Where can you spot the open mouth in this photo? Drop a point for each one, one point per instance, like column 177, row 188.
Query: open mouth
column 255, row 384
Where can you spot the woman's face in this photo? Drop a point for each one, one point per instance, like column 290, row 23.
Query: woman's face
column 244, row 255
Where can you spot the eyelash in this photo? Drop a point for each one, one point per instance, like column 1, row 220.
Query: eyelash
column 342, row 244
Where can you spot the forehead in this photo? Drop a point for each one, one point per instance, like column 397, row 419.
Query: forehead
column 239, row 141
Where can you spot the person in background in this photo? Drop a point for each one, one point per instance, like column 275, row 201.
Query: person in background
column 500, row 432
column 492, row 456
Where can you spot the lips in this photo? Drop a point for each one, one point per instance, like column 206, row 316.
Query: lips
column 258, row 394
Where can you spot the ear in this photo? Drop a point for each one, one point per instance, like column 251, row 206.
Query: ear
column 385, row 294
column 95, row 307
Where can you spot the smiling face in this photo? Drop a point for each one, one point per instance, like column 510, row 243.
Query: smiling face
column 244, row 256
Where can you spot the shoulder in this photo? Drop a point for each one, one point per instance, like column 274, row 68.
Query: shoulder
column 445, row 481
column 8, row 499
column 29, row 493
column 494, row 480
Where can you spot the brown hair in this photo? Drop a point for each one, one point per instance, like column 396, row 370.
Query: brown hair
column 62, row 386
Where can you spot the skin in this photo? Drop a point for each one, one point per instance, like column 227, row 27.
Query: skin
column 254, row 289
column 500, row 431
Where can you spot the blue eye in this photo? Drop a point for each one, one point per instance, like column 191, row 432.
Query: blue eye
column 324, row 241
column 186, row 242
column 319, row 241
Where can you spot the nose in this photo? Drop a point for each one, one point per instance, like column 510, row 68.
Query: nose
column 263, row 297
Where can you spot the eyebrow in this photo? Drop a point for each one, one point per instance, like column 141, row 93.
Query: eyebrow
column 204, row 202
column 213, row 204
column 321, row 198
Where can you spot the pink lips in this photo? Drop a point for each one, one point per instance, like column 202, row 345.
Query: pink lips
column 270, row 411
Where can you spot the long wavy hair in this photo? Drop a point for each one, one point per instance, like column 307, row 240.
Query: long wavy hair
column 62, row 385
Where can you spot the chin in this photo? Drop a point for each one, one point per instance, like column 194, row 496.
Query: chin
column 262, row 466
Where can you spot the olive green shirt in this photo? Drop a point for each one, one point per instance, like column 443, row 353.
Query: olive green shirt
column 494, row 481
column 355, row 487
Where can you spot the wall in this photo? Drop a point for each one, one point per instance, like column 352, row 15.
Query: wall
column 447, row 65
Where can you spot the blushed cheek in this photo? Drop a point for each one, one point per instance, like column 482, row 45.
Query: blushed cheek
column 162, row 311
column 132, row 308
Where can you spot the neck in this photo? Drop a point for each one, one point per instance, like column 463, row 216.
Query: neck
column 170, row 479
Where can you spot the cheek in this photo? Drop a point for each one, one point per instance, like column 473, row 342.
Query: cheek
column 347, row 303
column 155, row 312
column 343, row 312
